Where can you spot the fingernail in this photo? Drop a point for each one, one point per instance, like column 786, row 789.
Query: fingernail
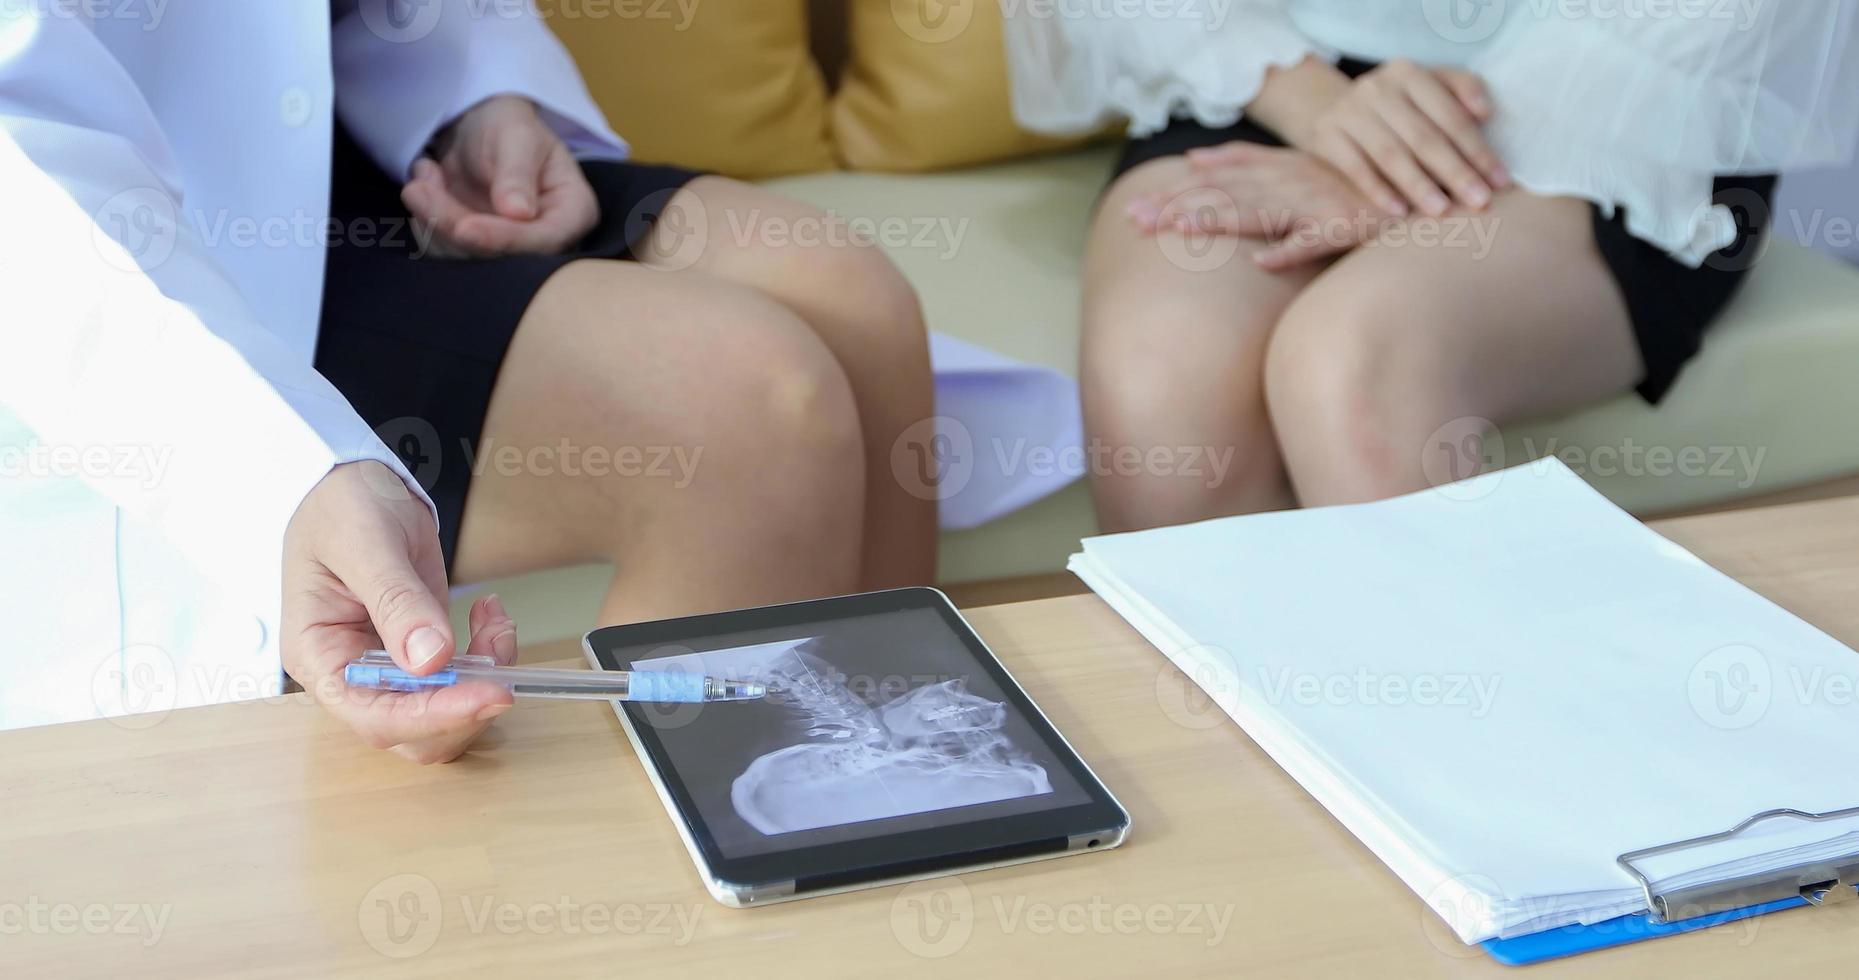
column 1436, row 203
column 493, row 604
column 490, row 711
column 1478, row 194
column 1395, row 207
column 1501, row 175
column 424, row 646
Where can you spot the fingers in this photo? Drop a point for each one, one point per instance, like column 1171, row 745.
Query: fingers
column 1470, row 90
column 1342, row 152
column 1445, row 110
column 1436, row 151
column 565, row 217
column 1420, row 131
column 1394, row 159
column 493, row 234
column 408, row 617
column 438, row 726
column 455, row 713
column 433, row 204
column 1297, row 249
column 493, row 632
column 1200, row 208
column 1225, row 155
column 428, row 726
column 517, row 155
column 431, row 726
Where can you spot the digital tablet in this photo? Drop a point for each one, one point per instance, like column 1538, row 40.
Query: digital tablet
column 892, row 746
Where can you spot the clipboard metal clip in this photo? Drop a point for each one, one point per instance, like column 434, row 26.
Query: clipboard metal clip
column 1823, row 882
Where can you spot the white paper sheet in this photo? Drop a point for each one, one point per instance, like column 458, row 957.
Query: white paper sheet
column 1502, row 685
column 1007, row 434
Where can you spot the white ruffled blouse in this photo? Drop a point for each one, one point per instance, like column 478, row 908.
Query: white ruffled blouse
column 1639, row 104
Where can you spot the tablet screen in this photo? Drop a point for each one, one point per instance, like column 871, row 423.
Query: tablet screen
column 877, row 725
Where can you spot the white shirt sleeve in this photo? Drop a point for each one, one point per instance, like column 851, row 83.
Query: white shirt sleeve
column 407, row 68
column 1645, row 112
column 1077, row 67
column 121, row 333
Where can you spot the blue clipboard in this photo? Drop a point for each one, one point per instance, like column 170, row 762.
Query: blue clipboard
column 1575, row 940
column 1815, row 883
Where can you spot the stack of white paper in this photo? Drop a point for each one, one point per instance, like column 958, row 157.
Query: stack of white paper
column 1502, row 685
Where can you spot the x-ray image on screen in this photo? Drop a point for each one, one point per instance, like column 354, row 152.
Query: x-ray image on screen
column 855, row 731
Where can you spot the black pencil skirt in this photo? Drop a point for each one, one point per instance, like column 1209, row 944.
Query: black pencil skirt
column 415, row 341
column 1670, row 303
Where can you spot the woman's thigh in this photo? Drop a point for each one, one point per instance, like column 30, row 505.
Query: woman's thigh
column 810, row 261
column 1385, row 367
column 1173, row 351
column 639, row 413
column 863, row 311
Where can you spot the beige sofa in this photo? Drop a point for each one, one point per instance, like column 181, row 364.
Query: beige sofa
column 1771, row 404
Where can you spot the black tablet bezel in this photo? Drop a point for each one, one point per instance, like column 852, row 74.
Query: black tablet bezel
column 872, row 858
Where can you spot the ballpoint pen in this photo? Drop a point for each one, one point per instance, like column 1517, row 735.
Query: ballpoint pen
column 376, row 670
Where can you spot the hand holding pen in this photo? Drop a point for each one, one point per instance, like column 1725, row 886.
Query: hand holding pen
column 363, row 570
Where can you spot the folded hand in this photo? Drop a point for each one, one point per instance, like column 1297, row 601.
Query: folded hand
column 1300, row 205
column 502, row 183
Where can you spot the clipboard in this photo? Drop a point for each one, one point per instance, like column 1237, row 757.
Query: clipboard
column 1696, row 907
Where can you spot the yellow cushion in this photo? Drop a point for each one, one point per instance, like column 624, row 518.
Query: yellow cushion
column 925, row 88
column 725, row 85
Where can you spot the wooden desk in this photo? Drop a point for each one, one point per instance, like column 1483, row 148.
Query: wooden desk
column 261, row 838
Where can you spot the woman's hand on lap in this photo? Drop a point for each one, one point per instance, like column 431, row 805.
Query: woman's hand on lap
column 1299, row 204
column 500, row 182
column 1408, row 136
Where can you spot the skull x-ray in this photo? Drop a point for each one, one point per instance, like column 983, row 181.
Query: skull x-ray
column 868, row 729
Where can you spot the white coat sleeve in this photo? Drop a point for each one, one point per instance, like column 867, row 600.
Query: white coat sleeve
column 407, row 68
column 121, row 333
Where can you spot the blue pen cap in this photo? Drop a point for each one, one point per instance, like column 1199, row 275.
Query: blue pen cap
column 382, row 678
column 669, row 686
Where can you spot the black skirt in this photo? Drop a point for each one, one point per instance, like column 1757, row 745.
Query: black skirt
column 1670, row 303
column 415, row 341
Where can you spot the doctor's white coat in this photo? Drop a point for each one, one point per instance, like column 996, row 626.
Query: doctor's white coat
column 164, row 183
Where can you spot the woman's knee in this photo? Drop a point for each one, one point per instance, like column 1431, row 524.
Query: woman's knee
column 716, row 371
column 1176, row 432
column 862, row 279
column 774, row 406
column 1353, row 391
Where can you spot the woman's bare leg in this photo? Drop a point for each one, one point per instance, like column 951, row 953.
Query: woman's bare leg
column 1175, row 331
column 1379, row 373
column 861, row 308
column 692, row 431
